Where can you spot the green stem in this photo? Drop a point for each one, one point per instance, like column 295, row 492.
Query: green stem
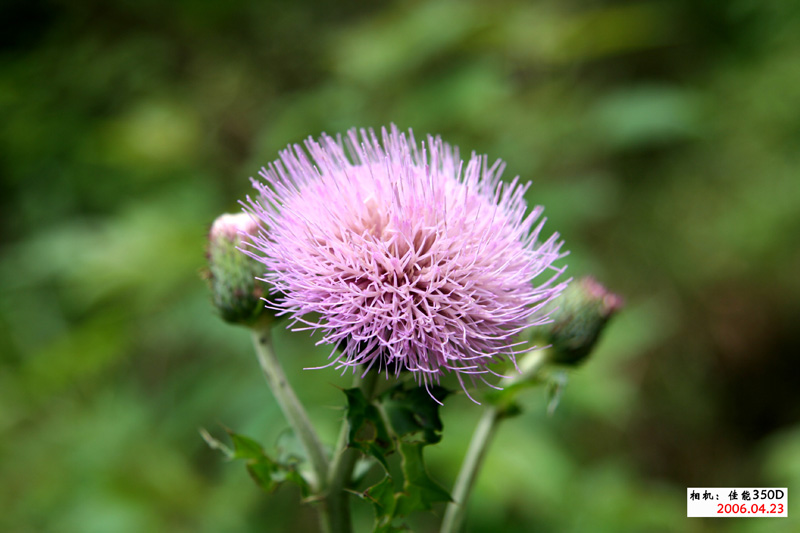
column 292, row 408
column 479, row 445
column 341, row 472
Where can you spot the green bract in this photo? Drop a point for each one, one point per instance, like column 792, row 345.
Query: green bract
column 236, row 293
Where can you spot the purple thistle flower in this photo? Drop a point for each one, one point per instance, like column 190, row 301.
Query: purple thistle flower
column 402, row 255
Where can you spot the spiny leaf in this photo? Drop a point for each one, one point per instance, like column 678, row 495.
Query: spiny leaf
column 407, row 420
column 262, row 472
column 384, row 501
column 265, row 471
column 419, row 490
column 413, row 414
column 382, row 496
column 367, row 430
column 245, row 447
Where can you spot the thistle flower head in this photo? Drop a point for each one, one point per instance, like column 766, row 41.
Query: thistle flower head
column 578, row 319
column 231, row 275
column 403, row 256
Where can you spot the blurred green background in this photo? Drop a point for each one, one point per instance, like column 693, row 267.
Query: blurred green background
column 662, row 137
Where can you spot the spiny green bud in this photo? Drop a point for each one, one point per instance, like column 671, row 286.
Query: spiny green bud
column 584, row 309
column 231, row 275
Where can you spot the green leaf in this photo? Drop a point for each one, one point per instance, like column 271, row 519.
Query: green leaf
column 382, row 497
column 367, row 432
column 406, row 419
column 419, row 490
column 384, row 501
column 245, row 447
column 413, row 413
column 265, row 471
column 390, row 527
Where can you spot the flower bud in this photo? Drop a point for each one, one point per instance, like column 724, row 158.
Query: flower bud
column 236, row 292
column 583, row 310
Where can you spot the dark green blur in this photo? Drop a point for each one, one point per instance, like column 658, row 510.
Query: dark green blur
column 662, row 137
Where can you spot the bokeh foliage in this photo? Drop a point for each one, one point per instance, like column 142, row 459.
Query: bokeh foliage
column 661, row 136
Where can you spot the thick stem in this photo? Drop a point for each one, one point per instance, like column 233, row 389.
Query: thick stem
column 479, row 445
column 292, row 408
column 341, row 472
